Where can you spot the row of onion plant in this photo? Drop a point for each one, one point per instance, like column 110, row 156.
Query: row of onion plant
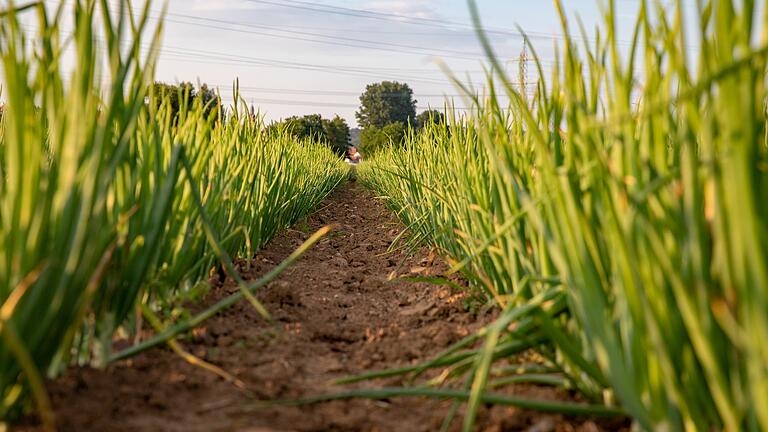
column 618, row 217
column 111, row 202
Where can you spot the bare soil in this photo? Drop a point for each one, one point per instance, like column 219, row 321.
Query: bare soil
column 337, row 313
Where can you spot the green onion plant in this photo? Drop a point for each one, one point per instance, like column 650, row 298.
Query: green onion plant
column 111, row 203
column 618, row 216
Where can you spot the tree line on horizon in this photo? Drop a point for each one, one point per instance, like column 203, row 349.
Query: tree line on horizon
column 387, row 112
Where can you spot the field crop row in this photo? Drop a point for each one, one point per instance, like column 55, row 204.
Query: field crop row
column 618, row 217
column 111, row 202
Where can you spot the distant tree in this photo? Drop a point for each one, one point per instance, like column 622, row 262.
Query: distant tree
column 210, row 99
column 430, row 116
column 185, row 91
column 373, row 139
column 173, row 93
column 309, row 126
column 337, row 134
column 384, row 103
column 334, row 132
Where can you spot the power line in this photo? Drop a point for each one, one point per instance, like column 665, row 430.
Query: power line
column 333, row 10
column 183, row 53
column 333, row 40
column 328, row 39
column 362, row 13
column 211, row 57
column 366, row 13
column 314, row 92
column 419, row 21
column 353, row 70
column 315, row 104
column 244, row 63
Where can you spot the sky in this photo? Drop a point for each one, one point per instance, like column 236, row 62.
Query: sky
column 296, row 57
column 340, row 46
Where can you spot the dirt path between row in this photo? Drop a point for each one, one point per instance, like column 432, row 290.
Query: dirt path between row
column 338, row 314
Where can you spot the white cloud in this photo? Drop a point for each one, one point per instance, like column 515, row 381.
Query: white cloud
column 409, row 8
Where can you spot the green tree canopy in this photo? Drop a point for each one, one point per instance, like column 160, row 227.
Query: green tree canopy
column 432, row 116
column 209, row 98
column 334, row 132
column 373, row 139
column 308, row 126
column 386, row 102
column 185, row 91
column 337, row 133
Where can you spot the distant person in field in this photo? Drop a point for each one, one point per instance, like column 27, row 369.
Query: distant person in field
column 353, row 156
